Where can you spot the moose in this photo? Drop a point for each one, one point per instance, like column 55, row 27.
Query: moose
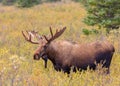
column 66, row 55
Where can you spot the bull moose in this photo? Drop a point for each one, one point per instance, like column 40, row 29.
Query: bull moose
column 65, row 54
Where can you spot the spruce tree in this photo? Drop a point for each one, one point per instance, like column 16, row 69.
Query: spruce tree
column 104, row 13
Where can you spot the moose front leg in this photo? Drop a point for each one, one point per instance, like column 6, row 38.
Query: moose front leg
column 45, row 60
column 45, row 63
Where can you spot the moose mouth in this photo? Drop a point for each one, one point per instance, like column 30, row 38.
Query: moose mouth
column 37, row 56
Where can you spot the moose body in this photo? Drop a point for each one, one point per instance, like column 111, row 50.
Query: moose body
column 64, row 54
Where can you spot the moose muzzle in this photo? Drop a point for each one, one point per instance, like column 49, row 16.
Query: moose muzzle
column 36, row 56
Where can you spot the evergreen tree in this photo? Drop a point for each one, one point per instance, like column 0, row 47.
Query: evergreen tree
column 104, row 13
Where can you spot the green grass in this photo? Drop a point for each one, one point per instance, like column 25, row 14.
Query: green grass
column 17, row 67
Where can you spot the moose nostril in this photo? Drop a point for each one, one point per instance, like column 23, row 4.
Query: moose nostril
column 36, row 57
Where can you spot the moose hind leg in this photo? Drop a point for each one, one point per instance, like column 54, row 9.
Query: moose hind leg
column 107, row 63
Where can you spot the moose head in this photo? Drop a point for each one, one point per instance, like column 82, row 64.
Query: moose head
column 42, row 41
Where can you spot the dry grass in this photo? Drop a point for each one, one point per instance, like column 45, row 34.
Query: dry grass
column 17, row 67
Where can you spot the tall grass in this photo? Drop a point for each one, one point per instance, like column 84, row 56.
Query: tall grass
column 17, row 67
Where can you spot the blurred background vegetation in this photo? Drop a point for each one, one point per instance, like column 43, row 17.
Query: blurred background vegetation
column 17, row 67
column 103, row 13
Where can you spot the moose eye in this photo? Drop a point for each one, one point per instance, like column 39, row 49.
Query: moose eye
column 45, row 46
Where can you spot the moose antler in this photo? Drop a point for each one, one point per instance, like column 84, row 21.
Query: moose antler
column 56, row 35
column 28, row 38
column 35, row 34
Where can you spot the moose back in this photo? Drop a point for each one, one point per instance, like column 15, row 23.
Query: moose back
column 64, row 54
